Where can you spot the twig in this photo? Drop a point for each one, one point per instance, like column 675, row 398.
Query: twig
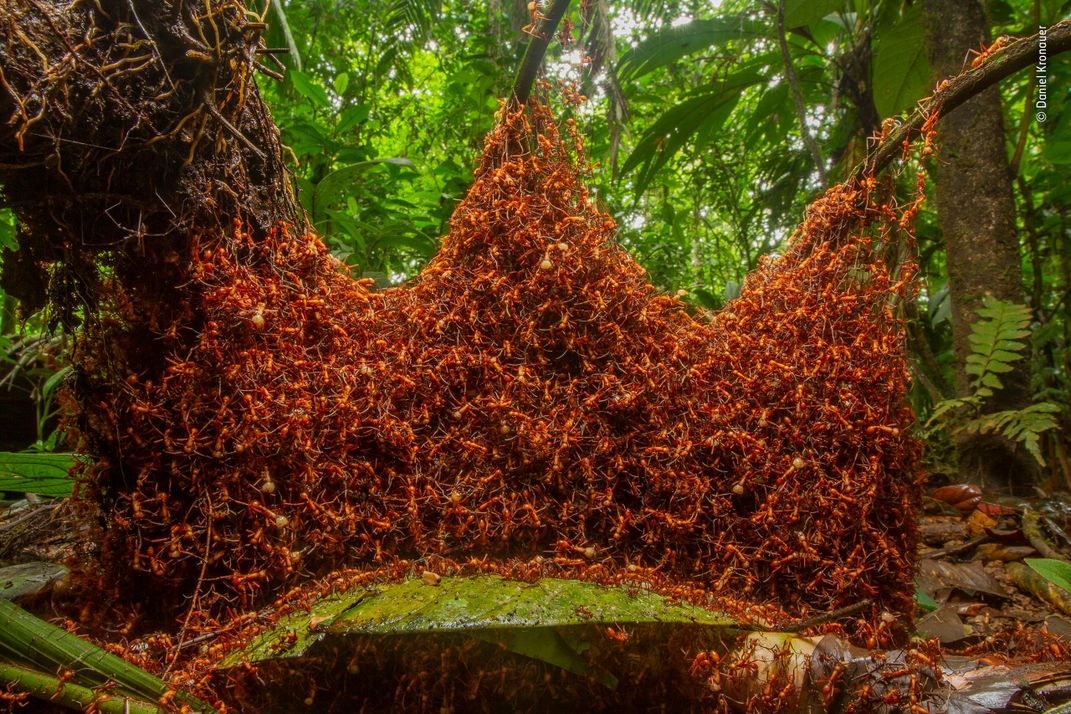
column 831, row 616
column 797, row 96
column 961, row 548
column 270, row 72
column 197, row 588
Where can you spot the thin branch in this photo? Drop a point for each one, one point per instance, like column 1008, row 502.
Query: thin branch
column 797, row 96
column 823, row 617
column 537, row 48
column 954, row 92
column 1024, row 130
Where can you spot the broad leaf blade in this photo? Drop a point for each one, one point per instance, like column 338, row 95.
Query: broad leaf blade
column 799, row 13
column 492, row 602
column 698, row 116
column 307, row 87
column 42, row 473
column 675, row 43
column 28, row 578
column 532, row 619
column 901, row 71
column 284, row 25
column 1057, row 572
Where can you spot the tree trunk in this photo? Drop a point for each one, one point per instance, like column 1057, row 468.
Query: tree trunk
column 146, row 129
column 976, row 212
column 133, row 141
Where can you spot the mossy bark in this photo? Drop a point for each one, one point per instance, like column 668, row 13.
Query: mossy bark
column 976, row 212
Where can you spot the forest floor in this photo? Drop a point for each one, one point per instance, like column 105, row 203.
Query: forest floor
column 968, row 584
column 975, row 594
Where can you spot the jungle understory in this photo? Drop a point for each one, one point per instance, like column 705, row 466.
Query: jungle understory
column 263, row 429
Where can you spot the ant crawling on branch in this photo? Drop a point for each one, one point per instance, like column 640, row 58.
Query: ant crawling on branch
column 983, row 53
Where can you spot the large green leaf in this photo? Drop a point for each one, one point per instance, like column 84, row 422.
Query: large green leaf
column 7, row 229
column 901, row 70
column 29, row 641
column 352, row 116
column 799, row 13
column 46, row 687
column 1057, row 572
column 412, row 17
column 697, row 118
column 673, row 43
column 309, row 88
column 546, row 620
column 40, row 473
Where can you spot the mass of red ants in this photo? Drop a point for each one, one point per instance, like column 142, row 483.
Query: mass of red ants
column 528, row 396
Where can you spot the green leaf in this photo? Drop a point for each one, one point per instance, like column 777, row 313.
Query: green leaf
column 799, row 13
column 700, row 115
column 945, row 407
column 340, row 82
column 546, row 645
column 994, row 342
column 1057, row 151
column 347, row 223
column 541, row 620
column 58, row 376
column 925, row 601
column 773, row 100
column 707, row 299
column 351, row 117
column 1022, row 425
column 43, row 474
column 901, row 70
column 422, row 244
column 1000, row 355
column 333, row 185
column 1032, row 443
column 1012, row 332
column 7, row 230
column 33, row 642
column 308, row 88
column 45, row 686
column 673, row 43
column 732, row 290
column 940, row 307
column 1057, row 572
column 309, row 138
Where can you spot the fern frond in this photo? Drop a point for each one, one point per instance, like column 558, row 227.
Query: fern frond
column 996, row 343
column 942, row 408
column 1024, row 426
